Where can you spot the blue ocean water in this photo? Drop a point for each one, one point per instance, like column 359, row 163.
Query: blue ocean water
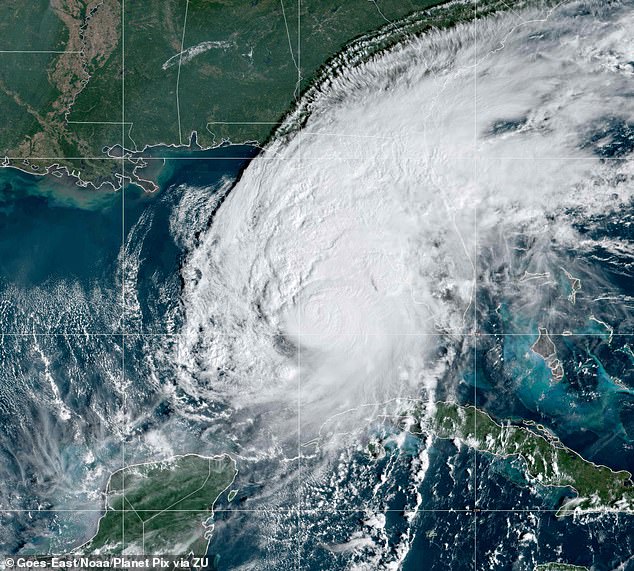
column 52, row 229
column 147, row 224
column 63, row 316
column 70, row 366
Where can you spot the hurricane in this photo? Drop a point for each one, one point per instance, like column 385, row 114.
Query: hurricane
column 453, row 188
column 444, row 219
column 378, row 230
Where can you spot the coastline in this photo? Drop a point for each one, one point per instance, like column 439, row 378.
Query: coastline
column 208, row 528
column 441, row 16
column 137, row 161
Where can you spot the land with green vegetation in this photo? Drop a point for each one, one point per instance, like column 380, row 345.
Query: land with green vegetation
column 546, row 460
column 161, row 508
column 141, row 74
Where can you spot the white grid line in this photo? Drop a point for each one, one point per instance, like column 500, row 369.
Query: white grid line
column 123, row 270
column 40, row 52
column 99, row 123
column 139, row 155
column 475, row 286
column 299, row 298
column 125, row 333
column 243, row 122
column 293, row 510
column 456, row 334
column 148, row 157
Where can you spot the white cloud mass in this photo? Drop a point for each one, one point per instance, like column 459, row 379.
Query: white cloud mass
column 348, row 247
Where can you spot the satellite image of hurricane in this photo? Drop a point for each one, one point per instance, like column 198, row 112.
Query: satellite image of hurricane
column 323, row 286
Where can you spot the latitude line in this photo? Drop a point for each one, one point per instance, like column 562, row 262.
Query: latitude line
column 242, row 122
column 99, row 123
column 440, row 334
column 149, row 157
column 361, row 509
column 40, row 52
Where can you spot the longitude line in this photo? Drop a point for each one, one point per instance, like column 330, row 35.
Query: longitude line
column 299, row 305
column 178, row 76
column 475, row 284
column 123, row 269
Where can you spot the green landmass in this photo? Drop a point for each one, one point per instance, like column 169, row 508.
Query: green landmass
column 546, row 460
column 165, row 508
column 225, row 69
column 559, row 567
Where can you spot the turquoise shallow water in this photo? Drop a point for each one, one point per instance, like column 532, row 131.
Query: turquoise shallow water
column 590, row 408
